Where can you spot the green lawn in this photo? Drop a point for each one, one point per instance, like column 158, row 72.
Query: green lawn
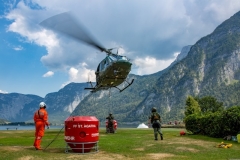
column 125, row 144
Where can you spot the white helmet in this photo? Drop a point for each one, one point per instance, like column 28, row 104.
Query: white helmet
column 42, row 105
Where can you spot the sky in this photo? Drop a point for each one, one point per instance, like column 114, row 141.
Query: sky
column 36, row 60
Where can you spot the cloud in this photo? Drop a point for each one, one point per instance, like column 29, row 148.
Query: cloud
column 80, row 74
column 18, row 48
column 150, row 33
column 3, row 92
column 48, row 74
column 149, row 65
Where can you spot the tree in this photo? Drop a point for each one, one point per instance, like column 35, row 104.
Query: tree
column 192, row 106
column 209, row 104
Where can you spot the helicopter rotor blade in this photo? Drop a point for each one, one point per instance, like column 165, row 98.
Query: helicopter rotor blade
column 66, row 24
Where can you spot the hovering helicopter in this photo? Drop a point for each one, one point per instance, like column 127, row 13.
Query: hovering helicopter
column 111, row 71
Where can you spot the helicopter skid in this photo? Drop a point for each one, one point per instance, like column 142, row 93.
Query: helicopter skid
column 129, row 84
column 97, row 88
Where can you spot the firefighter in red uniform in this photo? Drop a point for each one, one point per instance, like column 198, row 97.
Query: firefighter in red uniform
column 41, row 120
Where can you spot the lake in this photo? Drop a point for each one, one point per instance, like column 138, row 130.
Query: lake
column 11, row 127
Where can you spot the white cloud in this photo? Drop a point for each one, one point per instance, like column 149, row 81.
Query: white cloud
column 48, row 74
column 73, row 74
column 80, row 74
column 18, row 48
column 149, row 65
column 4, row 92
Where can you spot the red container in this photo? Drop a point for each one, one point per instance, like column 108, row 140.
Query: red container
column 81, row 133
column 182, row 133
column 114, row 126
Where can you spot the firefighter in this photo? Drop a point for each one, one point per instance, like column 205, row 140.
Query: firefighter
column 156, row 123
column 41, row 120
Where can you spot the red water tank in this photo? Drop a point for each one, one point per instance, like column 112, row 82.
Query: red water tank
column 111, row 130
column 115, row 124
column 82, row 133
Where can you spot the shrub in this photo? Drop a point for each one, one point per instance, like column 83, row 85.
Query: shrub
column 231, row 119
column 217, row 124
column 192, row 123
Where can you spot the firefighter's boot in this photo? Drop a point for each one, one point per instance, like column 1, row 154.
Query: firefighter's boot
column 35, row 142
column 38, row 143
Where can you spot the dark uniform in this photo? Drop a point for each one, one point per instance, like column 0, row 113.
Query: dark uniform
column 156, row 123
column 110, row 119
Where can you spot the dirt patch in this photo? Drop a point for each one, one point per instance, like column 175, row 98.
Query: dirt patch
column 149, row 145
column 29, row 158
column 189, row 141
column 100, row 156
column 159, row 155
column 103, row 135
column 139, row 149
column 138, row 137
column 56, row 150
column 12, row 148
column 2, row 137
column 26, row 158
column 193, row 150
column 13, row 132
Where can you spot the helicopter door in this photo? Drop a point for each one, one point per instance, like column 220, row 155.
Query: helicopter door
column 104, row 64
column 107, row 62
column 101, row 66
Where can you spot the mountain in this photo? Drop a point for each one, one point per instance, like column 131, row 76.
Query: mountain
column 211, row 67
column 2, row 121
column 17, row 107
column 62, row 103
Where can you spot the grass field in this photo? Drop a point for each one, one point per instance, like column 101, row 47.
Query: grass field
column 125, row 144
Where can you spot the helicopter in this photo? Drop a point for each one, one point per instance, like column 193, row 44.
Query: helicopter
column 111, row 71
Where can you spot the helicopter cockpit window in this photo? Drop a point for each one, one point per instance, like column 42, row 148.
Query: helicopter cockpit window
column 123, row 58
column 103, row 64
column 107, row 61
column 113, row 58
